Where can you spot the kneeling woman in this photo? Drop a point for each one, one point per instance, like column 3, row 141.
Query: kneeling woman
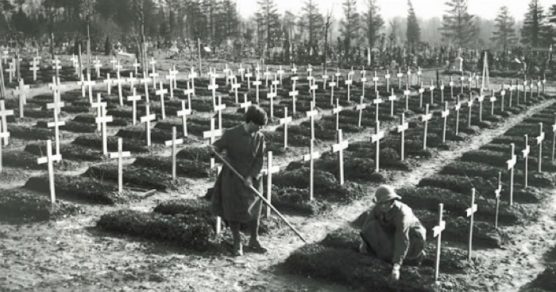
column 232, row 198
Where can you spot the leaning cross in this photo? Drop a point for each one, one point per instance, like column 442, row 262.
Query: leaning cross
column 339, row 147
column 120, row 155
column 470, row 212
column 174, row 142
column 49, row 159
column 426, row 118
column 375, row 138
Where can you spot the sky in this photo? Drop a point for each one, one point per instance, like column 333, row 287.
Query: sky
column 391, row 8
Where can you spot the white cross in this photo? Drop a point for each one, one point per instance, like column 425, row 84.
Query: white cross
column 11, row 71
column 183, row 113
column 90, row 83
column 294, row 69
column 211, row 136
column 3, row 136
column 266, row 75
column 108, row 83
column 311, row 158
column 49, row 159
column 136, row 65
column 421, row 91
column 97, row 66
column 311, row 114
column 293, row 95
column 470, row 213
column 173, row 143
column 336, row 110
column 280, row 73
column 444, row 114
column 120, row 155
column 339, row 147
column 269, row 171
column 360, row 107
column 154, row 76
column 332, row 85
column 314, row 88
column 56, row 66
column 285, row 121
column 147, row 119
column 241, row 72
column 134, row 99
column 246, row 103
column 325, row 77
column 219, row 108
column 401, row 129
column 56, row 106
column 511, row 163
column 192, row 75
column 257, row 83
column 22, row 90
column 132, row 80
column 161, row 92
column 4, row 114
column 348, row 83
column 540, row 139
column 34, row 67
column 426, row 118
column 271, row 95
column 102, row 121
column 497, row 194
column 113, row 61
column 392, row 98
column 98, row 105
column 248, row 75
column 437, row 232
column 118, row 67
column 377, row 101
column 375, row 138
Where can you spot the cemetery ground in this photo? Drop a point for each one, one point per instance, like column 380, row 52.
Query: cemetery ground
column 73, row 252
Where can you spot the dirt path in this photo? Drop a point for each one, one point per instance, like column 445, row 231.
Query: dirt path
column 70, row 254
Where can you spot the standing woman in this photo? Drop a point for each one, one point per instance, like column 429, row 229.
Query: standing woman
column 232, row 199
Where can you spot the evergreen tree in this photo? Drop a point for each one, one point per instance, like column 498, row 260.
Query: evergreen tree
column 268, row 25
column 413, row 32
column 311, row 23
column 504, row 35
column 349, row 26
column 532, row 30
column 372, row 23
column 458, row 26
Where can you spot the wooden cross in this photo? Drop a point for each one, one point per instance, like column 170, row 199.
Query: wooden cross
column 219, row 108
column 235, row 87
column 3, row 136
column 113, row 62
column 241, row 72
column 153, row 63
column 502, row 95
column 134, row 99
column 211, row 136
column 540, row 139
column 363, row 80
column 408, row 83
column 387, row 77
column 266, row 75
column 406, row 94
column 392, row 98
column 470, row 107
column 90, row 83
column 457, row 108
column 56, row 66
column 97, row 66
column 425, row 118
column 248, row 75
column 154, row 76
column 375, row 138
column 11, row 71
column 497, row 193
column 360, row 107
column 4, row 114
column 183, row 113
column 445, row 113
column 526, row 151
column 192, row 75
column 102, row 121
column 441, row 91
column 147, row 119
column 375, row 82
column 246, row 103
column 171, row 77
column 325, row 77
column 257, row 83
column 161, row 92
column 49, row 159
column 285, row 121
column 311, row 158
column 401, row 129
column 311, row 114
column 470, row 212
column 22, row 90
column 421, row 91
column 511, row 164
column 419, row 72
column 437, row 232
column 451, row 87
column 269, row 171
column 280, row 74
column 271, row 95
column 118, row 67
column 432, row 88
column 293, row 95
column 294, row 69
column 136, row 65
column 314, row 88
column 212, row 87
column 132, row 80
column 399, row 76
column 275, row 83
column 336, row 110
column 174, row 142
column 108, row 83
column 480, row 99
column 332, row 85
column 98, row 105
column 34, row 67
column 120, row 155
column 56, row 106
column 339, row 147
column 348, row 83
column 377, row 101
column 119, row 82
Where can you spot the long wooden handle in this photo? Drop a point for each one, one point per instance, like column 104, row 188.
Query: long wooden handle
column 260, row 196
